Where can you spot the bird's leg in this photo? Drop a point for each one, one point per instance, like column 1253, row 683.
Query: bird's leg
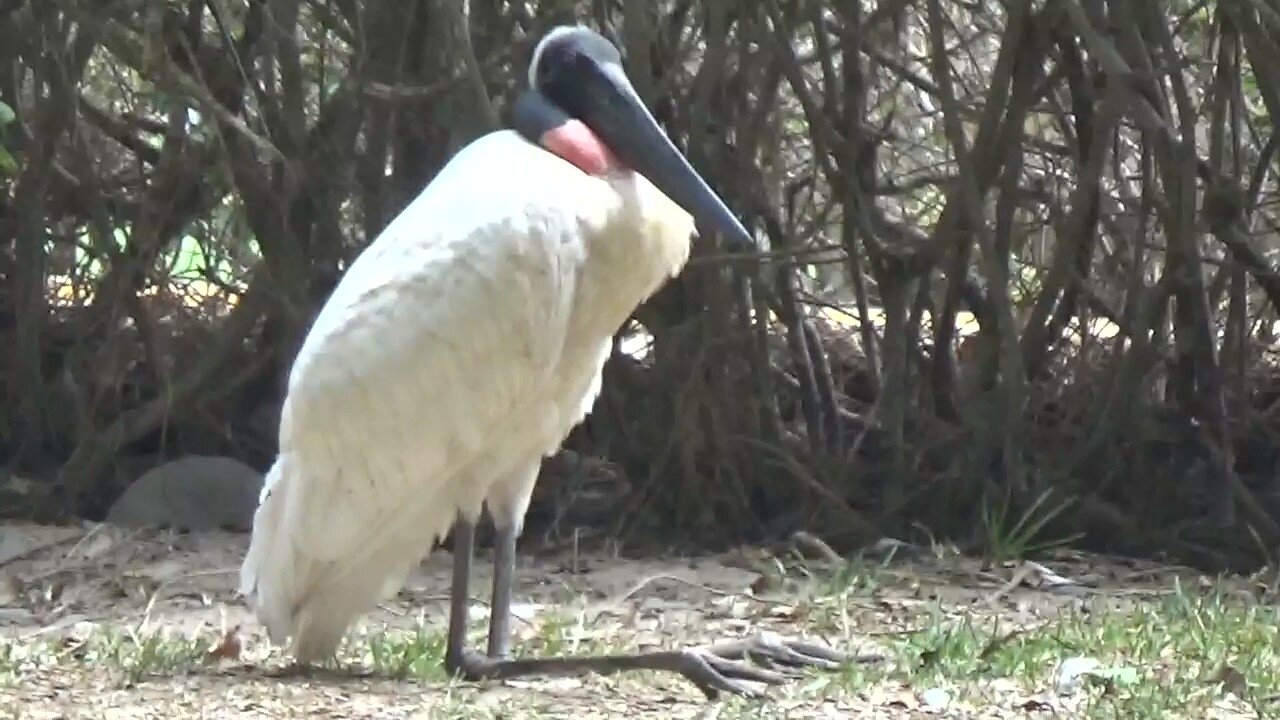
column 464, row 541
column 714, row 669
column 504, row 566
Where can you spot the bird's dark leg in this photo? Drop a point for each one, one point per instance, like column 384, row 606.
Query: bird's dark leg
column 504, row 566
column 464, row 541
column 713, row 669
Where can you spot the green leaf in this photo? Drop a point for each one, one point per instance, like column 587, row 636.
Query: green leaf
column 8, row 166
column 6, row 115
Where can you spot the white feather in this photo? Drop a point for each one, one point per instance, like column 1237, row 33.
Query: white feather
column 458, row 350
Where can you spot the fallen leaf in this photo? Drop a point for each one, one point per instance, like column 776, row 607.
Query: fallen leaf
column 1072, row 672
column 903, row 700
column 783, row 611
column 228, row 647
column 1036, row 704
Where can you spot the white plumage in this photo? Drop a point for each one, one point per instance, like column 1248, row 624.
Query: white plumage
column 456, row 352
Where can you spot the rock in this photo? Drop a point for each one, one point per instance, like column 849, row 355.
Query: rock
column 196, row 492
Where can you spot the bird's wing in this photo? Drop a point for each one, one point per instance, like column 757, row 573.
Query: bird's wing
column 432, row 343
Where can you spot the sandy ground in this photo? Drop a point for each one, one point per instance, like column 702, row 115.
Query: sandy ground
column 59, row 586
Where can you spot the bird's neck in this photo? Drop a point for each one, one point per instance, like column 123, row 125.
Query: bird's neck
column 642, row 243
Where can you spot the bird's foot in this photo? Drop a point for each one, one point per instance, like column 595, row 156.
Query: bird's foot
column 775, row 651
column 714, row 674
column 723, row 667
column 473, row 666
column 710, row 672
column 714, row 669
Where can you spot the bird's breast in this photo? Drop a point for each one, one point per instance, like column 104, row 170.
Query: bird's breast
column 630, row 252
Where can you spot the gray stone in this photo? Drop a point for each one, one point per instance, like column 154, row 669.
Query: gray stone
column 196, row 492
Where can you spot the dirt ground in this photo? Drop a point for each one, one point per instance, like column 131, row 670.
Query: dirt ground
column 61, row 585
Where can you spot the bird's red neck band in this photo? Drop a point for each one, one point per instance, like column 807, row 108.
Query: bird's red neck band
column 575, row 142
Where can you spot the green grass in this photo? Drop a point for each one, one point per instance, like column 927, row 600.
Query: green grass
column 402, row 655
column 418, row 654
column 139, row 656
column 1165, row 658
column 1004, row 538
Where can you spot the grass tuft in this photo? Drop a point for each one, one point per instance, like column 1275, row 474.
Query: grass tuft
column 139, row 656
column 1006, row 539
column 400, row 655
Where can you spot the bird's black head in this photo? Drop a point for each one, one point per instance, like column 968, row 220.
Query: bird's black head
column 576, row 74
column 561, row 53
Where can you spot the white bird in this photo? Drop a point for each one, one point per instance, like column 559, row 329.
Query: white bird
column 460, row 348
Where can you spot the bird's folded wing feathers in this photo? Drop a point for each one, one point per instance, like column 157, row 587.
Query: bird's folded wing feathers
column 421, row 353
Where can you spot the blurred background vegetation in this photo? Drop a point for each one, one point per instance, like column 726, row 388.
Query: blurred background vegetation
column 1023, row 253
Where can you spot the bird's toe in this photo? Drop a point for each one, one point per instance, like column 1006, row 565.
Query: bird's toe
column 714, row 675
column 794, row 653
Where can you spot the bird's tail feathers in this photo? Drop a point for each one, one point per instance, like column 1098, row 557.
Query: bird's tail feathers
column 268, row 576
column 309, row 603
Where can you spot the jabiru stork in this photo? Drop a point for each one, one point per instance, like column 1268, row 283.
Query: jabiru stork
column 460, row 348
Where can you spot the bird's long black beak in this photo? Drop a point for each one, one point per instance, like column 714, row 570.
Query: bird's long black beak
column 605, row 100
